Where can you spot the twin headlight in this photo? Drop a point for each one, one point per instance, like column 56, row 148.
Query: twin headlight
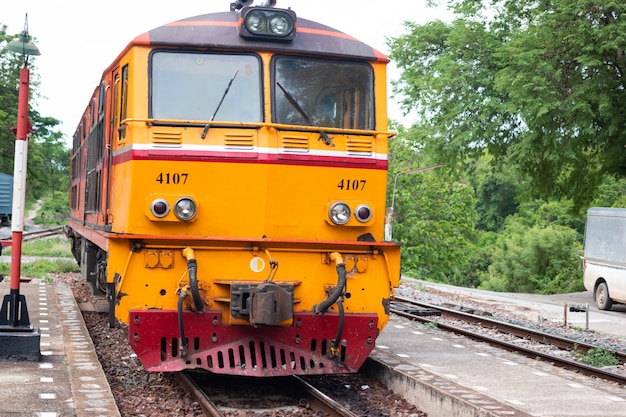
column 185, row 208
column 266, row 22
column 340, row 213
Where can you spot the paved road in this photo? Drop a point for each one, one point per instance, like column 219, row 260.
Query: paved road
column 548, row 307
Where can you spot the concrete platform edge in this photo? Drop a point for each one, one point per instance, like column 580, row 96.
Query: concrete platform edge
column 430, row 393
column 92, row 399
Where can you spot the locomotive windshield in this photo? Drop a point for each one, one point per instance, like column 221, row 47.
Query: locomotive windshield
column 191, row 86
column 327, row 93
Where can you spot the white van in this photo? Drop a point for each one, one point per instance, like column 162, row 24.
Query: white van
column 604, row 259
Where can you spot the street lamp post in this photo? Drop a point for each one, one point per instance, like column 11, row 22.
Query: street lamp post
column 18, row 338
column 388, row 227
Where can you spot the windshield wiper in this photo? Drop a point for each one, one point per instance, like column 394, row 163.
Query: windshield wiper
column 323, row 136
column 206, row 127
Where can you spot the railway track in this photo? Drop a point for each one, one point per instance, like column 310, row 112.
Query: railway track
column 36, row 234
column 428, row 313
column 294, row 394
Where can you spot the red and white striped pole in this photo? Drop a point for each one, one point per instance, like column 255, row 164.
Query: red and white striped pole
column 19, row 197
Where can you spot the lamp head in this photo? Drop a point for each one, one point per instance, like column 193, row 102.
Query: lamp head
column 23, row 45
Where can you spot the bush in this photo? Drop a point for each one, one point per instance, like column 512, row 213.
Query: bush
column 536, row 260
column 54, row 210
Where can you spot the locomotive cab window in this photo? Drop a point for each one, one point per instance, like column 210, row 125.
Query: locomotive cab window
column 200, row 86
column 323, row 93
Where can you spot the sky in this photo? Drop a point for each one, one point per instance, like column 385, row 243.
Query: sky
column 78, row 39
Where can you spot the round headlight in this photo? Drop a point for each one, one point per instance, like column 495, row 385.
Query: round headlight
column 363, row 213
column 281, row 25
column 159, row 208
column 256, row 22
column 339, row 213
column 185, row 209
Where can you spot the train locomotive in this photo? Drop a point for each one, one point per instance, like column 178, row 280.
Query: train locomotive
column 228, row 195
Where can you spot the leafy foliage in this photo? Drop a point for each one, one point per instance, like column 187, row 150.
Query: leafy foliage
column 434, row 217
column 536, row 259
column 48, row 157
column 539, row 83
column 54, row 209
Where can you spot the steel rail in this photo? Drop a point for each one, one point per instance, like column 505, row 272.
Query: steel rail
column 303, row 394
column 518, row 331
column 321, row 402
column 512, row 347
column 42, row 233
column 190, row 386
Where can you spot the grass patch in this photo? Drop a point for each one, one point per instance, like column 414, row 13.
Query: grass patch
column 42, row 268
column 51, row 247
column 599, row 357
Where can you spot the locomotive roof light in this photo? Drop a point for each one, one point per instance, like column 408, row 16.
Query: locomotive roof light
column 339, row 213
column 185, row 209
column 267, row 22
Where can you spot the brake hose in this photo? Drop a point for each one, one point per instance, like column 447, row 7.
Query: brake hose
column 181, row 324
column 334, row 294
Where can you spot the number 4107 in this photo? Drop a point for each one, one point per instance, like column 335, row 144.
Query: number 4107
column 352, row 185
column 171, row 178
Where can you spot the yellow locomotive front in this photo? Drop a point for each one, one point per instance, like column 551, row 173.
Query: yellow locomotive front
column 245, row 196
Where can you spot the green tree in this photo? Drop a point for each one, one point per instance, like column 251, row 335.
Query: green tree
column 48, row 157
column 497, row 193
column 538, row 83
column 434, row 215
column 536, row 260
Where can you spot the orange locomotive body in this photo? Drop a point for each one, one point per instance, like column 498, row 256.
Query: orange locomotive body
column 228, row 195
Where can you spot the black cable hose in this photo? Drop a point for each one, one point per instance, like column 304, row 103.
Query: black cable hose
column 340, row 328
column 181, row 324
column 192, row 266
column 335, row 292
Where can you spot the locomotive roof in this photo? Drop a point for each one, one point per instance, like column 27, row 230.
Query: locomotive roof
column 219, row 30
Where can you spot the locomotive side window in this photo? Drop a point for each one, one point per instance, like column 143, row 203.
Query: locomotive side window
column 123, row 104
column 116, row 105
column 192, row 86
column 323, row 93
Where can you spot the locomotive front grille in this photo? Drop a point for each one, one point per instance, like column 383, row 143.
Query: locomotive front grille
column 256, row 356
